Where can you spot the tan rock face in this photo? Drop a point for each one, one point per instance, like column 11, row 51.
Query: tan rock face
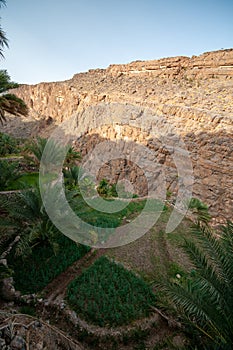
column 194, row 95
column 211, row 155
column 205, row 65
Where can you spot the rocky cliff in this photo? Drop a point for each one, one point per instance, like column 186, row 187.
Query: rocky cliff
column 194, row 95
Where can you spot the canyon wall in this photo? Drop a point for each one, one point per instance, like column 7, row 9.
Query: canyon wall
column 193, row 95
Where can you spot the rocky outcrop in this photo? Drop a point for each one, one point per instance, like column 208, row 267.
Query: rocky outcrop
column 174, row 86
column 194, row 95
column 218, row 63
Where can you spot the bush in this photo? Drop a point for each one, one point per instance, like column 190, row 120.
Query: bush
column 8, row 145
column 8, row 173
column 105, row 189
column 109, row 295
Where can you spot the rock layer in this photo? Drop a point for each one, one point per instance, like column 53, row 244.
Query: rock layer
column 193, row 95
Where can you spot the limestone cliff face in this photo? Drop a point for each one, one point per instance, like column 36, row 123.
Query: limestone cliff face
column 170, row 85
column 193, row 94
column 217, row 63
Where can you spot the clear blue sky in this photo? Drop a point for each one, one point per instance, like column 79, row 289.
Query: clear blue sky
column 51, row 40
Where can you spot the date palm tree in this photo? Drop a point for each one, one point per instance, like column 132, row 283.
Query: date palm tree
column 204, row 299
column 9, row 103
column 54, row 151
column 3, row 41
column 26, row 213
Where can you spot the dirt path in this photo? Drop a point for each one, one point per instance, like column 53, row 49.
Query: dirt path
column 55, row 290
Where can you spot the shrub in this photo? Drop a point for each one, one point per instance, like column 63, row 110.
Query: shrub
column 104, row 188
column 8, row 145
column 8, row 173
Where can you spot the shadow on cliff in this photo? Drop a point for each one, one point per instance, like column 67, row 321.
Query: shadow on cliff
column 212, row 159
column 27, row 127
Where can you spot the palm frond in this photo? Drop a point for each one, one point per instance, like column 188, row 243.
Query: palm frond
column 2, row 3
column 13, row 105
column 24, row 206
column 200, row 210
column 5, row 81
column 23, row 247
column 204, row 299
column 215, row 251
column 3, row 41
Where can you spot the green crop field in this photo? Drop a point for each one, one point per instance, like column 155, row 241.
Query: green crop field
column 33, row 273
column 107, row 294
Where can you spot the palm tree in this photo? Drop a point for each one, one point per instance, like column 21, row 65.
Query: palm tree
column 71, row 176
column 54, row 152
column 204, row 299
column 3, row 39
column 27, row 214
column 71, row 157
column 9, row 103
column 36, row 149
column 8, row 173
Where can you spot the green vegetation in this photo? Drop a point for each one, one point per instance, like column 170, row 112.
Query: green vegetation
column 34, row 272
column 34, row 150
column 102, row 219
column 71, row 177
column 9, row 103
column 42, row 252
column 24, row 181
column 195, row 283
column 106, row 190
column 109, row 295
column 26, row 210
column 8, row 145
column 8, row 173
column 203, row 299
